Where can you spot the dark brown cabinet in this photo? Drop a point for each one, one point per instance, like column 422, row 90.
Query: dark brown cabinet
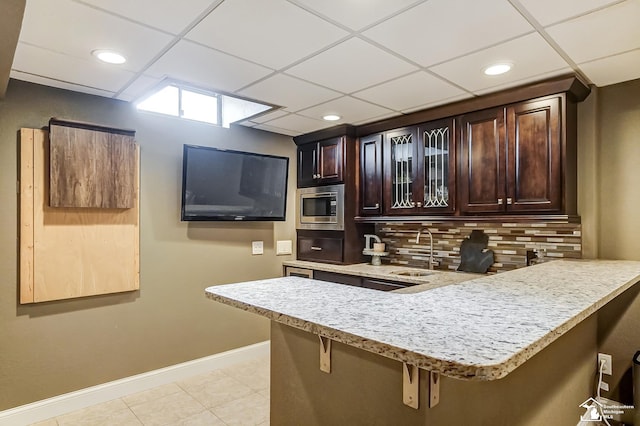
column 318, row 246
column 371, row 175
column 321, row 163
column 534, row 175
column 419, row 169
column 482, row 171
column 511, row 159
column 357, row 281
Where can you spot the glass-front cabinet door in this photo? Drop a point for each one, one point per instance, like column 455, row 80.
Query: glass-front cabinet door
column 420, row 169
column 400, row 171
column 437, row 145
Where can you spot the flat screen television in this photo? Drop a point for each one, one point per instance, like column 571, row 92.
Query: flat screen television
column 220, row 184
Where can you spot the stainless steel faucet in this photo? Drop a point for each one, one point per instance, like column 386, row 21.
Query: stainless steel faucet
column 430, row 244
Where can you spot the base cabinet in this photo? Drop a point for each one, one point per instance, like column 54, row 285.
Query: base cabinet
column 357, row 281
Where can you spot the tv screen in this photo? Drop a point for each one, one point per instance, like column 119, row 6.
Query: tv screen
column 222, row 184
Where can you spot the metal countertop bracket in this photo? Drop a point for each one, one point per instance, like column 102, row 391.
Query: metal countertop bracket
column 325, row 354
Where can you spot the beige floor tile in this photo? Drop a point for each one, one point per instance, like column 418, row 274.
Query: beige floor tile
column 215, row 389
column 151, row 394
column 249, row 410
column 113, row 413
column 168, row 410
column 254, row 374
column 265, row 393
column 48, row 422
column 206, row 418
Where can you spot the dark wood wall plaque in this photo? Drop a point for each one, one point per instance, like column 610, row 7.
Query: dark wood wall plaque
column 92, row 168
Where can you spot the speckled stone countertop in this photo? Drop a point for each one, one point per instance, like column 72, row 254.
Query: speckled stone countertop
column 435, row 278
column 480, row 329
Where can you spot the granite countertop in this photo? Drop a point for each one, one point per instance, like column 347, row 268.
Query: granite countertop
column 480, row 329
column 435, row 278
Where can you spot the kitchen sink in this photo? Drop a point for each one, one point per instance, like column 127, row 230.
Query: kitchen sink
column 406, row 273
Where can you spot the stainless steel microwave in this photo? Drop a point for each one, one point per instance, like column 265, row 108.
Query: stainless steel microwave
column 320, row 207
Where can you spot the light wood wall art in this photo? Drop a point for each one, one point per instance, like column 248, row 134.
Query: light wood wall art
column 71, row 252
column 91, row 166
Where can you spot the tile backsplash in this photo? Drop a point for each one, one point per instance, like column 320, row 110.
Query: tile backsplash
column 509, row 242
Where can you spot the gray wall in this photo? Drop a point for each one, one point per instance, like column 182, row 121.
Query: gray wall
column 609, row 176
column 52, row 348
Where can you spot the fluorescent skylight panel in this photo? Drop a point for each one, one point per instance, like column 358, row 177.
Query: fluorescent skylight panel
column 200, row 107
column 235, row 109
column 165, row 101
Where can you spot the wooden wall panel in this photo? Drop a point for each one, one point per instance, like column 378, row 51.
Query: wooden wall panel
column 26, row 215
column 76, row 251
column 91, row 168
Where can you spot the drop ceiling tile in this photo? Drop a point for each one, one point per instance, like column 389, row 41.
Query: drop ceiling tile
column 269, row 116
column 524, row 81
column 202, row 66
column 278, row 130
column 356, row 14
column 439, row 30
column 350, row 66
column 289, row 92
column 599, row 34
column 409, row 91
column 350, row 109
column 440, row 102
column 547, row 12
column 613, row 69
column 274, row 33
column 140, row 87
column 298, row 123
column 76, row 30
column 171, row 16
column 66, row 69
column 18, row 75
column 530, row 56
column 378, row 118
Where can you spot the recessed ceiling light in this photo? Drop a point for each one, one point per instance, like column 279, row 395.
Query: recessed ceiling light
column 497, row 69
column 109, row 56
column 331, row 117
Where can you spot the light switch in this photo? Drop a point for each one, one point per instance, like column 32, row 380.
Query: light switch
column 257, row 247
column 283, row 247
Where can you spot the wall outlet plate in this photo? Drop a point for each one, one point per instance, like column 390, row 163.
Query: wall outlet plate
column 608, row 366
column 257, row 247
column 283, row 247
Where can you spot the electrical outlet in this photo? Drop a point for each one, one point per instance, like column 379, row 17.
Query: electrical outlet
column 257, row 247
column 608, row 366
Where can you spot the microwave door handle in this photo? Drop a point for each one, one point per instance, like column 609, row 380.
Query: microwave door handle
column 323, row 194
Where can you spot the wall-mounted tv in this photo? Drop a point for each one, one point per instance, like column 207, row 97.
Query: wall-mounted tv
column 220, row 184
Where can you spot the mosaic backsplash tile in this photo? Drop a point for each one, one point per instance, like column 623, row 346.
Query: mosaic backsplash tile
column 509, row 242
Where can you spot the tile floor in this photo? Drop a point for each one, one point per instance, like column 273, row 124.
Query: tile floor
column 236, row 395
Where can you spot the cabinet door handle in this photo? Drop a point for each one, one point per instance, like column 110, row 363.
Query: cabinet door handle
column 316, row 176
column 413, row 204
column 509, row 200
column 377, row 206
column 500, row 201
column 316, row 248
column 419, row 204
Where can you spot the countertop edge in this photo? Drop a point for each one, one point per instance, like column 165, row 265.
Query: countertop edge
column 452, row 369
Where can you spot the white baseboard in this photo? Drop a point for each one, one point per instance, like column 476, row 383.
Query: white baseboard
column 72, row 401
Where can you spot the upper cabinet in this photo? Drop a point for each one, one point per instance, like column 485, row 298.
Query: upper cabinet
column 321, row 163
column 409, row 171
column 511, row 159
column 371, row 175
column 512, row 152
